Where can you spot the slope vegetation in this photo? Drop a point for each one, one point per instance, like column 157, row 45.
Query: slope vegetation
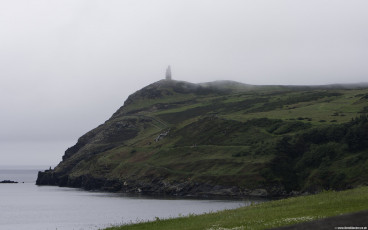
column 224, row 139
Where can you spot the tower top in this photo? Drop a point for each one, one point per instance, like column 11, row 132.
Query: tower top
column 168, row 73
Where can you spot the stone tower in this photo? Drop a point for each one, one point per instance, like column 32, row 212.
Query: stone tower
column 168, row 73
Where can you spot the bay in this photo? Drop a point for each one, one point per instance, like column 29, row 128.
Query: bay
column 27, row 206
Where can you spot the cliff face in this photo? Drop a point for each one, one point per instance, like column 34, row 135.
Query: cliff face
column 221, row 138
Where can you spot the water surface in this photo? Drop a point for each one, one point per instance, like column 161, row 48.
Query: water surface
column 27, row 206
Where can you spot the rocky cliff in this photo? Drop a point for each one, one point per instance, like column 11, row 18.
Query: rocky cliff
column 220, row 139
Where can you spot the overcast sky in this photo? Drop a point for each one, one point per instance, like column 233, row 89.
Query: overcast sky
column 66, row 66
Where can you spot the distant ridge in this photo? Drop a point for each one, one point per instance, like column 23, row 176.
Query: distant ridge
column 227, row 85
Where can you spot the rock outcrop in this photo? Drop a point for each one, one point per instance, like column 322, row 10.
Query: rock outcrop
column 158, row 186
column 8, row 182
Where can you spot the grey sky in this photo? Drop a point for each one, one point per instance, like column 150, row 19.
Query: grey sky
column 66, row 66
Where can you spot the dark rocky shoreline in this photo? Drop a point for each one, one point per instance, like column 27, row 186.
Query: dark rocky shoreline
column 160, row 186
column 8, row 182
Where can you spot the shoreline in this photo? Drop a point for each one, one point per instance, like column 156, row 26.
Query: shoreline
column 164, row 188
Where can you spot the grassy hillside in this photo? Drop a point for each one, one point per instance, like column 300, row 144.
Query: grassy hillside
column 269, row 214
column 224, row 138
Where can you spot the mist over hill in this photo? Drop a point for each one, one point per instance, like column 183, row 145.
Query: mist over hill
column 224, row 138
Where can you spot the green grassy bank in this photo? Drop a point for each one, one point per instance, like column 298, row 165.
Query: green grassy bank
column 269, row 214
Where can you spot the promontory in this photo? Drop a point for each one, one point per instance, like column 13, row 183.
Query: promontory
column 224, row 138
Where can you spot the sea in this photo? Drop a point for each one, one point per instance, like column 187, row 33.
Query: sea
column 27, row 206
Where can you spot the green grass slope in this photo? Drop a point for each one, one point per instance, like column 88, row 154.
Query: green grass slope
column 269, row 214
column 224, row 138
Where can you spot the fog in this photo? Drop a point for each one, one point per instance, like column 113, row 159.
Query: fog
column 66, row 66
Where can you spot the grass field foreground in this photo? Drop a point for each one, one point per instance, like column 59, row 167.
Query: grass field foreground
column 269, row 214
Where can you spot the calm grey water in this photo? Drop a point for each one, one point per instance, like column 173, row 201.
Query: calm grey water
column 27, row 206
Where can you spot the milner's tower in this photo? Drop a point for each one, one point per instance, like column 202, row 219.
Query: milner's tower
column 168, row 73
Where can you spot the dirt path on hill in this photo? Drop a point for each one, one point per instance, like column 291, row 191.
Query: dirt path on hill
column 357, row 220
